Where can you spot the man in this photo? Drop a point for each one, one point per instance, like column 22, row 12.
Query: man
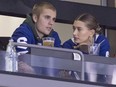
column 36, row 26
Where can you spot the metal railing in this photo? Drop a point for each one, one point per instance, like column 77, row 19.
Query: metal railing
column 56, row 49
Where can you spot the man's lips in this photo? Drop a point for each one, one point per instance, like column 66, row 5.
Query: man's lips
column 49, row 28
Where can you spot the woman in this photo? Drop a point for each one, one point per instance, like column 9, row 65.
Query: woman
column 85, row 33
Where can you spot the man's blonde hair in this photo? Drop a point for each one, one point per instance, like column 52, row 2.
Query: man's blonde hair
column 38, row 7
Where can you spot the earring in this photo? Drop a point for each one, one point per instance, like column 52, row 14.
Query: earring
column 91, row 41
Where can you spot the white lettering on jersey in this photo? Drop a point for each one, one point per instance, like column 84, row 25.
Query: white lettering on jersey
column 22, row 52
column 107, row 54
column 22, row 40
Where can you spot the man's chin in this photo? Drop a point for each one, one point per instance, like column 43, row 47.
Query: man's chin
column 47, row 33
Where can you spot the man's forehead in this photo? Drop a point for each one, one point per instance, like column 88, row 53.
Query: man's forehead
column 49, row 12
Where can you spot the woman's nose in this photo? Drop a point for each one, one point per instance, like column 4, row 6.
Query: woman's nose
column 75, row 32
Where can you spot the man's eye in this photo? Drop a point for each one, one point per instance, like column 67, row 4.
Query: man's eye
column 47, row 17
column 54, row 19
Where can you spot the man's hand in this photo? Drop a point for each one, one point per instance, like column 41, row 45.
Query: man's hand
column 25, row 68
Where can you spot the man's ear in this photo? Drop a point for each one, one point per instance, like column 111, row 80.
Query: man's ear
column 34, row 18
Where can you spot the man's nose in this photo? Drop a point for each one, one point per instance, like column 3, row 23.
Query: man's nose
column 51, row 22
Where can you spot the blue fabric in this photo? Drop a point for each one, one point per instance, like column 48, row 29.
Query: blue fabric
column 104, row 47
column 24, row 34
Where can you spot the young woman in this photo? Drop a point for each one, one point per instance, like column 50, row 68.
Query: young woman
column 85, row 33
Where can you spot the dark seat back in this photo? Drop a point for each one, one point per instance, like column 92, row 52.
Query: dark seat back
column 3, row 42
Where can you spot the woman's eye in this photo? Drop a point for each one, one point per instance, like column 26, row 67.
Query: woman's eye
column 79, row 29
column 74, row 28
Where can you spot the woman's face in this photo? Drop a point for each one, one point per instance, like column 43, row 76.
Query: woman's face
column 81, row 32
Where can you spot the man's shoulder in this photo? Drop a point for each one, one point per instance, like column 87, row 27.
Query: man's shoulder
column 23, row 28
column 22, row 31
column 53, row 32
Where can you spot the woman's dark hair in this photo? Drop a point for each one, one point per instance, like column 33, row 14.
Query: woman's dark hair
column 90, row 21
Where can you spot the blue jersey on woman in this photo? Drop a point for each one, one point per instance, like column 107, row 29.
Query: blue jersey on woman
column 104, row 46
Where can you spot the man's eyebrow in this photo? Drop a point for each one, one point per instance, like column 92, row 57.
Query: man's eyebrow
column 47, row 15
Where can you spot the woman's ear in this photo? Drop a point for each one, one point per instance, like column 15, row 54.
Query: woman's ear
column 92, row 32
column 34, row 18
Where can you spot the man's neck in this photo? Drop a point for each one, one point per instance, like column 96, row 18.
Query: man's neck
column 39, row 34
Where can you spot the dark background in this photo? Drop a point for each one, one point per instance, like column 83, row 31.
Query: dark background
column 67, row 11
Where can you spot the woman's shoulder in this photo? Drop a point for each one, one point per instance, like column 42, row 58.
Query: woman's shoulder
column 103, row 41
column 100, row 38
column 69, row 43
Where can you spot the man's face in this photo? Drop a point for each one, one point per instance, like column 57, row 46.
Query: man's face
column 45, row 22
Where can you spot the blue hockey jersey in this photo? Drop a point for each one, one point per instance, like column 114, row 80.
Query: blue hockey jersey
column 25, row 34
column 104, row 47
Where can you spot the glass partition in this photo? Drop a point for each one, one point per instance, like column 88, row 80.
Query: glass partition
column 49, row 66
column 65, row 64
column 99, row 72
column 100, row 69
column 49, row 61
